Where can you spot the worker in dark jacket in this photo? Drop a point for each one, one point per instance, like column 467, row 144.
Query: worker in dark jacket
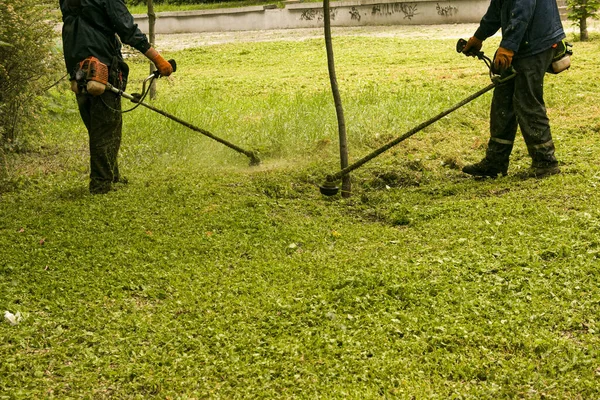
column 530, row 31
column 90, row 29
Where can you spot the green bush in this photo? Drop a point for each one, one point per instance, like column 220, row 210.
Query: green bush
column 29, row 60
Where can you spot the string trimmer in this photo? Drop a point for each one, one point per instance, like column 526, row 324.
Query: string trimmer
column 95, row 81
column 330, row 186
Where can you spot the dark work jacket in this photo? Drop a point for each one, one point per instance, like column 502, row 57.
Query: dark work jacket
column 90, row 28
column 528, row 26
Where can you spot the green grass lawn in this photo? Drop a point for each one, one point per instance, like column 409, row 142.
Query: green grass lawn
column 207, row 278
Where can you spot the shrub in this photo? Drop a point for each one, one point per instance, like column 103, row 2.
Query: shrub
column 29, row 60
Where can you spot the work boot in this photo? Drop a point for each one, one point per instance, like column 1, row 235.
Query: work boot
column 96, row 188
column 541, row 171
column 121, row 179
column 485, row 168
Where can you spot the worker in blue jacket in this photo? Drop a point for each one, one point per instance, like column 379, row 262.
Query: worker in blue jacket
column 531, row 30
column 96, row 28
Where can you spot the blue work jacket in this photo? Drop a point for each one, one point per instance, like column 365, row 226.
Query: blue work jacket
column 528, row 26
column 91, row 27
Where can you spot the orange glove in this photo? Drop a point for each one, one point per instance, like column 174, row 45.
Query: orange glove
column 162, row 65
column 503, row 59
column 473, row 46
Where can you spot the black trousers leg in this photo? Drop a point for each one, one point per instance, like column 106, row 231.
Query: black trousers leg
column 530, row 107
column 102, row 118
column 503, row 124
column 520, row 102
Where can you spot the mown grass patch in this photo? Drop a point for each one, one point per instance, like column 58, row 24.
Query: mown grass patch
column 205, row 278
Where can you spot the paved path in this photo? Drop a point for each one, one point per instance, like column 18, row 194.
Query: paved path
column 182, row 41
column 173, row 42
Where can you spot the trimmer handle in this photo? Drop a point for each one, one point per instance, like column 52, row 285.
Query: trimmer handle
column 460, row 46
column 507, row 75
column 157, row 74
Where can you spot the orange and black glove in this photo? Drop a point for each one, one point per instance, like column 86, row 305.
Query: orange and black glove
column 503, row 59
column 473, row 46
column 162, row 65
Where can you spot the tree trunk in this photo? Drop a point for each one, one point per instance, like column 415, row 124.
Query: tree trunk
column 346, row 183
column 152, row 38
column 583, row 31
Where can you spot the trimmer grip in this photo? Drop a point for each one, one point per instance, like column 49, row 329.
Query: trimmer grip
column 460, row 45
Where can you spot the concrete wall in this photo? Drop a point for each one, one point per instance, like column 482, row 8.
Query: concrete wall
column 310, row 15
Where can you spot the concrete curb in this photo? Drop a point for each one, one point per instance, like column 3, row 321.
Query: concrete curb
column 310, row 15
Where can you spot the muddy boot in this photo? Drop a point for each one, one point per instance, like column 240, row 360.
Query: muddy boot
column 541, row 171
column 485, row 168
column 100, row 187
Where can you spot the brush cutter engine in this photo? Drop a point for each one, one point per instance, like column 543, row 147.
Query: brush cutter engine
column 562, row 57
column 91, row 77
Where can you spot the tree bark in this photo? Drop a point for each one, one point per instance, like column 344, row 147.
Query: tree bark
column 346, row 181
column 152, row 38
column 583, row 31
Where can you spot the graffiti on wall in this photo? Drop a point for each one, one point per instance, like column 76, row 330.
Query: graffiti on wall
column 408, row 9
column 447, row 11
column 312, row 14
column 354, row 14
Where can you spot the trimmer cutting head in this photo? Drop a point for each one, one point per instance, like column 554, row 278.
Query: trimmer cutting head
column 329, row 188
column 254, row 160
